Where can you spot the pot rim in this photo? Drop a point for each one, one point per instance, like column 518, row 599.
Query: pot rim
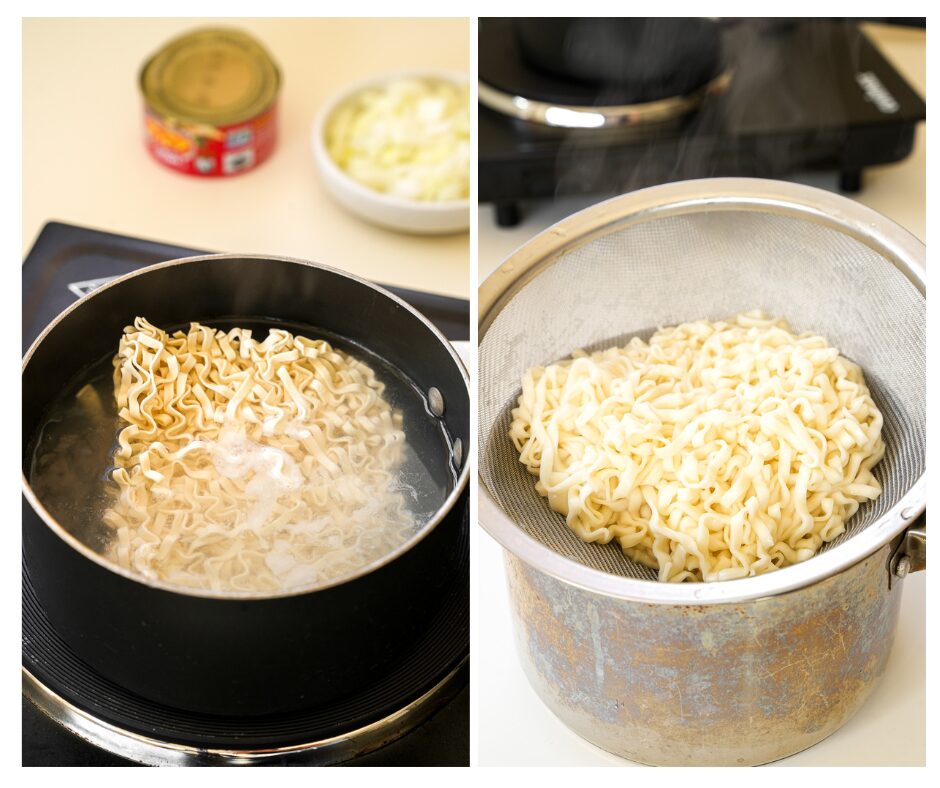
column 863, row 224
column 241, row 596
column 572, row 116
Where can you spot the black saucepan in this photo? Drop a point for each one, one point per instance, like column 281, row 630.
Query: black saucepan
column 246, row 655
column 647, row 59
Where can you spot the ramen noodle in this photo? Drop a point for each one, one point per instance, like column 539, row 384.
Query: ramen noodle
column 716, row 451
column 251, row 465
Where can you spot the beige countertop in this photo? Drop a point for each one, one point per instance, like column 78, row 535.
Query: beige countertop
column 84, row 160
column 515, row 728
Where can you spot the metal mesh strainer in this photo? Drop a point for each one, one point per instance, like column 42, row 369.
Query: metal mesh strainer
column 705, row 249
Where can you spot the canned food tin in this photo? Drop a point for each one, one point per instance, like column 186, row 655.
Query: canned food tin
column 210, row 102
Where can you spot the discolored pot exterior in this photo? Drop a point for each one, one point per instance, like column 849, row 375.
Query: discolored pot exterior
column 726, row 684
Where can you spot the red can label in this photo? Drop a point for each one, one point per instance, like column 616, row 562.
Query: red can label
column 213, row 151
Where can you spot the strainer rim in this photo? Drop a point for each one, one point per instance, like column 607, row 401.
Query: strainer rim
column 860, row 222
column 865, row 225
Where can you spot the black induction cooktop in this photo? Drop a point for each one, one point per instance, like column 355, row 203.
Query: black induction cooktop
column 803, row 95
column 66, row 262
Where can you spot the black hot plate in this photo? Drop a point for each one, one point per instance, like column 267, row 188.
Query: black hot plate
column 419, row 711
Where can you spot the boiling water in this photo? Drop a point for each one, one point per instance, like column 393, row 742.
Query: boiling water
column 71, row 453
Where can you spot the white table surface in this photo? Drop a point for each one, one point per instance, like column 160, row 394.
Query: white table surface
column 515, row 728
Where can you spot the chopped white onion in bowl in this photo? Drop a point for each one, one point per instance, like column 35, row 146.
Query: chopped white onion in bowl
column 396, row 151
column 409, row 138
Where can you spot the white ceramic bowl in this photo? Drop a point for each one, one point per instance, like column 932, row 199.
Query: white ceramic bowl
column 396, row 213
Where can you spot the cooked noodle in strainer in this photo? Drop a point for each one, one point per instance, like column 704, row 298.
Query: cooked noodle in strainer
column 715, row 451
column 618, row 272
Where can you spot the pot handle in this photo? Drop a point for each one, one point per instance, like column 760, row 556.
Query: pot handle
column 911, row 555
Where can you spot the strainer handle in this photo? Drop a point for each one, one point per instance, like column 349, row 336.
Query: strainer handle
column 911, row 555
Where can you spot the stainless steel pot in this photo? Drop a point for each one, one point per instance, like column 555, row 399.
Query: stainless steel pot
column 736, row 672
